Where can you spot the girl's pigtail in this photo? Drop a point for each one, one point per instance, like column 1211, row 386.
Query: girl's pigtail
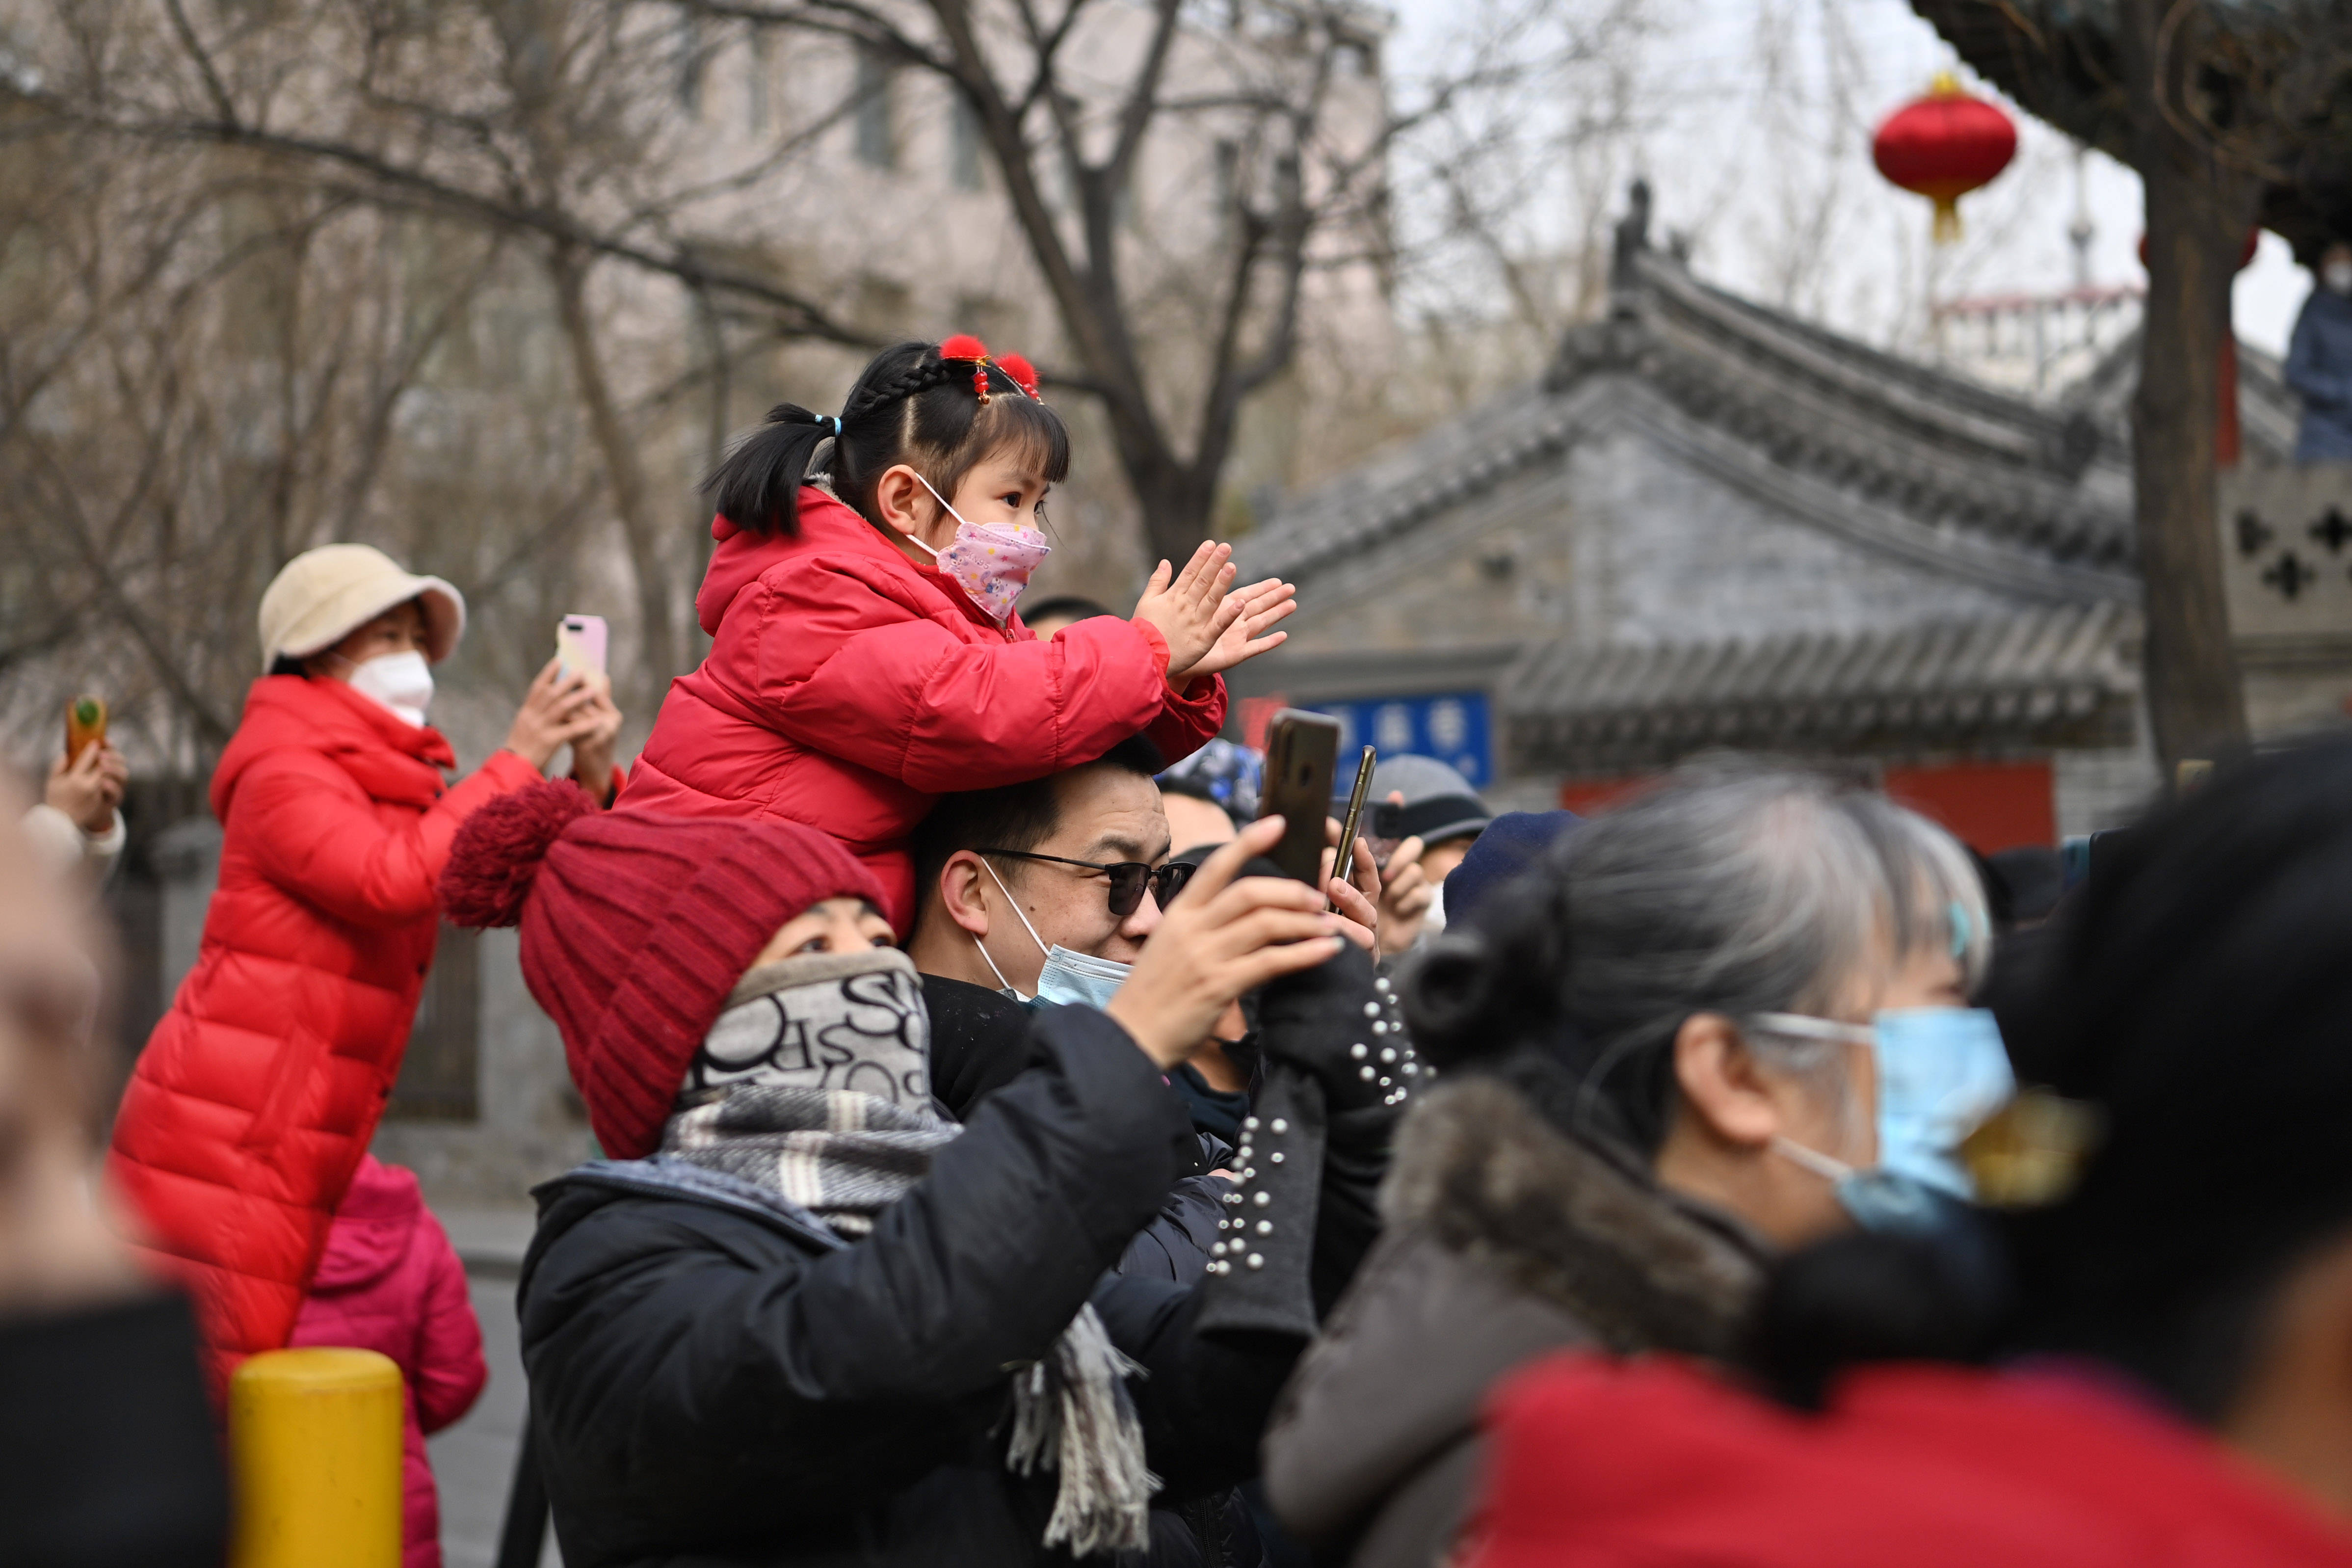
column 757, row 486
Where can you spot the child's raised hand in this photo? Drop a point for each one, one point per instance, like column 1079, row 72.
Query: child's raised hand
column 1261, row 605
column 1191, row 608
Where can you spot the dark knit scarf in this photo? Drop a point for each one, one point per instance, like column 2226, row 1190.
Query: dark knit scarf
column 815, row 1083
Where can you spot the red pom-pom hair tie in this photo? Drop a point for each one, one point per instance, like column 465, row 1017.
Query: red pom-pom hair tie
column 1017, row 370
column 499, row 850
column 1024, row 375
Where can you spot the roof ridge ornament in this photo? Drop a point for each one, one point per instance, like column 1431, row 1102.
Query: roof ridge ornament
column 1633, row 239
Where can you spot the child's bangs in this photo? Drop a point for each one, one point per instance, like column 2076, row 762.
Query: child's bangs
column 1024, row 431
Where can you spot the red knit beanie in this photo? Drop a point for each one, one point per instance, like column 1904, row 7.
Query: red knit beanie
column 635, row 928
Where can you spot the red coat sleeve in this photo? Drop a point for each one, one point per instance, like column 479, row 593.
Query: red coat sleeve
column 450, row 1371
column 324, row 843
column 846, row 669
column 1190, row 719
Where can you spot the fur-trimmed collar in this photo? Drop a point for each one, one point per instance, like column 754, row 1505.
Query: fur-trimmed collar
column 1572, row 1221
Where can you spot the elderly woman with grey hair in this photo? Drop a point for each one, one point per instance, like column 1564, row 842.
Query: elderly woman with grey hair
column 1659, row 1052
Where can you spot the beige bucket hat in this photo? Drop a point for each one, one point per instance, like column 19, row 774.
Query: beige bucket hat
column 323, row 596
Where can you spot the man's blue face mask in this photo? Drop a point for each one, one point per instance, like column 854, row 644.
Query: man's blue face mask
column 1067, row 979
column 1942, row 1071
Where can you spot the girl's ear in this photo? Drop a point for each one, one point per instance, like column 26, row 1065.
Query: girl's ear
column 902, row 502
column 906, row 506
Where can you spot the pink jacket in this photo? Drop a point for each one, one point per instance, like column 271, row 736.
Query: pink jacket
column 847, row 689
column 390, row 1281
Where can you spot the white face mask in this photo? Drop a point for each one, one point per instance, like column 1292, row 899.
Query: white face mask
column 400, row 683
column 2338, row 276
column 1068, row 979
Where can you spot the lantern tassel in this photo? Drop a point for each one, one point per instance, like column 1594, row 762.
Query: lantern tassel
column 1946, row 230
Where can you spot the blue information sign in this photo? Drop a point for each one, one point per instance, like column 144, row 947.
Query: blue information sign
column 1451, row 726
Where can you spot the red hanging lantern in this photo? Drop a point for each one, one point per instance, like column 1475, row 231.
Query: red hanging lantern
column 1942, row 147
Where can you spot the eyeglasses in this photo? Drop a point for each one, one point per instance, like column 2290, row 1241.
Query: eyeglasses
column 1128, row 878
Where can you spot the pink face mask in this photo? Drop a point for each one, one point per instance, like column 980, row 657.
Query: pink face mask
column 990, row 562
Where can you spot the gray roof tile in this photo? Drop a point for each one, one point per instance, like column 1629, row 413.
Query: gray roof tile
column 2061, row 675
column 1978, row 468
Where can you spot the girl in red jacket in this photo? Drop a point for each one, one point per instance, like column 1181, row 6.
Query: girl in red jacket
column 866, row 653
column 390, row 1281
column 259, row 1090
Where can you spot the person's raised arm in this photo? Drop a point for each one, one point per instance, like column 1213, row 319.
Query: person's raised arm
column 1229, row 934
column 837, row 664
column 88, row 788
column 324, row 842
column 576, row 711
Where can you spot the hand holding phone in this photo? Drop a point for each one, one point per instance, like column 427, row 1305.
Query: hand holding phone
column 84, row 726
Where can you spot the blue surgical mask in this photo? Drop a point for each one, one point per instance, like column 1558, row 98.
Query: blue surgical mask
column 1080, row 978
column 1876, row 1199
column 1067, row 979
column 1942, row 1071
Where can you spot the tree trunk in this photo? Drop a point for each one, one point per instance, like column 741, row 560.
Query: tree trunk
column 642, row 534
column 1175, row 502
column 2198, row 213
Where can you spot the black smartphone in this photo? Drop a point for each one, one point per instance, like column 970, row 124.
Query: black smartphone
column 1301, row 750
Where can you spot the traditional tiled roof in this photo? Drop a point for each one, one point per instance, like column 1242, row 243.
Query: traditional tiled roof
column 2029, row 497
column 2052, row 677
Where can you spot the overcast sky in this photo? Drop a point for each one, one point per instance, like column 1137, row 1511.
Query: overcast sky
column 1759, row 165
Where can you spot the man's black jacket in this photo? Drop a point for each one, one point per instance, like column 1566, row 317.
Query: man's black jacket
column 716, row 1381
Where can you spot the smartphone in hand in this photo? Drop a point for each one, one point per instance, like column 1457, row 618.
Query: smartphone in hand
column 580, row 642
column 1344, row 867
column 84, row 726
column 1301, row 752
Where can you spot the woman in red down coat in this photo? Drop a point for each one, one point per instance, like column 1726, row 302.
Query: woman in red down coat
column 259, row 1090
column 390, row 1281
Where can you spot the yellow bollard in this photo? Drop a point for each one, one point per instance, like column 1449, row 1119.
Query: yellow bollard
column 314, row 1449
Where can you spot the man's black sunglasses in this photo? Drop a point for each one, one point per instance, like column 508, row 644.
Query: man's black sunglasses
column 1128, row 878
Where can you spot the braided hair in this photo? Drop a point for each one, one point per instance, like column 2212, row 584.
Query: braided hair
column 914, row 404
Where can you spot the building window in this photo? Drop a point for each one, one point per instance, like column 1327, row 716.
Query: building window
column 440, row 1079
column 963, row 143
column 876, row 122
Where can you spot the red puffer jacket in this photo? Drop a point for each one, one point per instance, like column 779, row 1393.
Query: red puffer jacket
column 1655, row 1464
column 390, row 1281
column 259, row 1090
column 847, row 689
